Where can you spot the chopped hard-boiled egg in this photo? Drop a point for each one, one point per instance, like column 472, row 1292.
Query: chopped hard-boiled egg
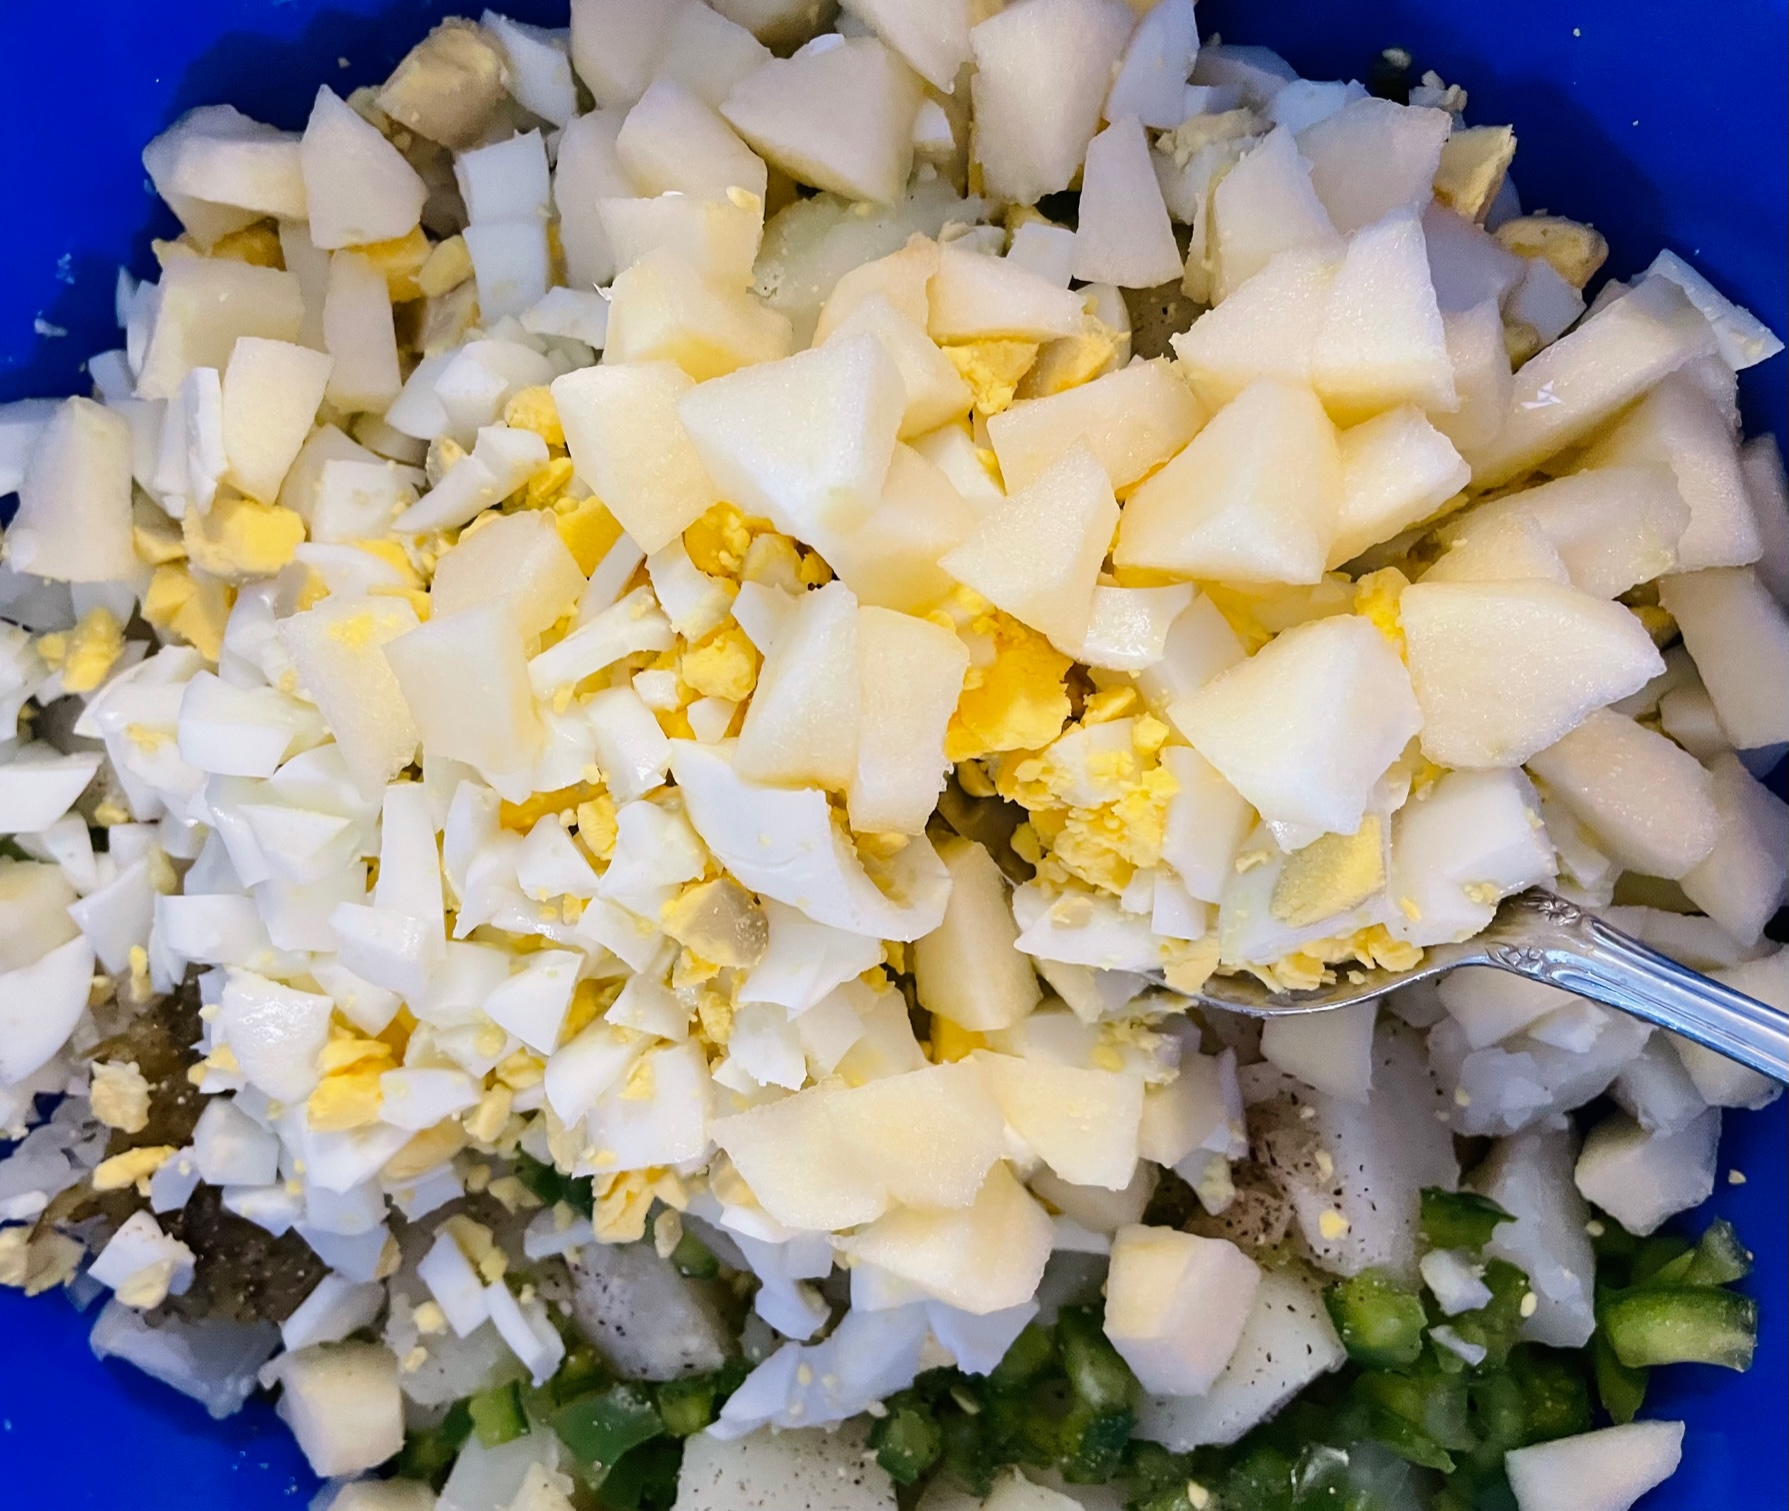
column 674, row 677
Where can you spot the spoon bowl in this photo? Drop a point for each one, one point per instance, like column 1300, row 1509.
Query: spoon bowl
column 1548, row 939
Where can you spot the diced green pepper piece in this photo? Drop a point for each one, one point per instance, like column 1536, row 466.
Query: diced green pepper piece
column 1093, row 1443
column 1701, row 1326
column 1100, row 1378
column 429, row 1455
column 1656, row 1255
column 580, row 1372
column 967, row 1456
column 1496, row 1325
column 598, row 1429
column 1621, row 1389
column 1719, row 1258
column 1459, row 1219
column 694, row 1259
column 1031, row 1353
column 1428, row 1400
column 497, row 1415
column 908, row 1441
column 551, row 1186
column 686, row 1406
column 1261, row 1480
column 1381, row 1322
column 1555, row 1393
column 645, row 1478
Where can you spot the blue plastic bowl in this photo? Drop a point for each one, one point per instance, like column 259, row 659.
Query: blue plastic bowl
column 1663, row 125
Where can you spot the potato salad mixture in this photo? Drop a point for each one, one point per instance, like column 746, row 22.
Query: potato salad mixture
column 667, row 645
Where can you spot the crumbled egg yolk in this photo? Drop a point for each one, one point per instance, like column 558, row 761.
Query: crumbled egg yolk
column 993, row 370
column 1071, row 361
column 1376, row 599
column 719, row 542
column 134, row 1167
column 725, row 665
column 258, row 245
column 446, row 268
column 194, row 607
column 588, row 530
column 88, row 652
column 1332, row 875
column 400, row 259
column 428, row 1150
column 240, row 538
column 1017, row 701
column 119, row 1096
column 623, row 1201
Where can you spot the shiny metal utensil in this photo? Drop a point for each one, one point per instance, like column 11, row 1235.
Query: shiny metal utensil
column 1550, row 940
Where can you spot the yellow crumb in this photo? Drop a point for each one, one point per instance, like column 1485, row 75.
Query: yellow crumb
column 132, row 1168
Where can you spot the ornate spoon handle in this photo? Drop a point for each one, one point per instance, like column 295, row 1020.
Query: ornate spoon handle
column 1549, row 939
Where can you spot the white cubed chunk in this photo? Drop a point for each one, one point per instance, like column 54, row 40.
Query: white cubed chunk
column 975, row 297
column 1503, row 669
column 802, row 724
column 1330, row 1051
column 969, row 968
column 1397, row 470
column 1473, row 838
column 1679, row 426
column 1253, row 498
column 1265, row 329
column 519, row 557
column 1084, row 1124
column 805, row 441
column 465, row 679
column 1133, row 420
column 1738, row 636
column 1305, row 727
column 1642, row 1178
column 1648, row 803
column 360, row 336
column 74, row 517
column 672, row 142
column 663, row 310
column 1373, row 157
column 586, row 173
column 1287, row 1341
column 337, row 649
column 1382, row 342
column 910, row 675
column 1176, row 1306
column 1607, row 1470
column 1123, row 236
column 1043, row 70
column 839, row 117
column 343, row 1404
column 1037, row 554
column 981, row 1259
column 1564, row 393
column 1743, row 880
column 271, row 393
column 629, row 446
column 1262, row 207
column 358, row 187
column 964, row 1135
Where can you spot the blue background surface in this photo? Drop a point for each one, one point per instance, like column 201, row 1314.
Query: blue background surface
column 1664, row 124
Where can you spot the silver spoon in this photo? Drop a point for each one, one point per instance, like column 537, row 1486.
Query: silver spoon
column 1547, row 939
